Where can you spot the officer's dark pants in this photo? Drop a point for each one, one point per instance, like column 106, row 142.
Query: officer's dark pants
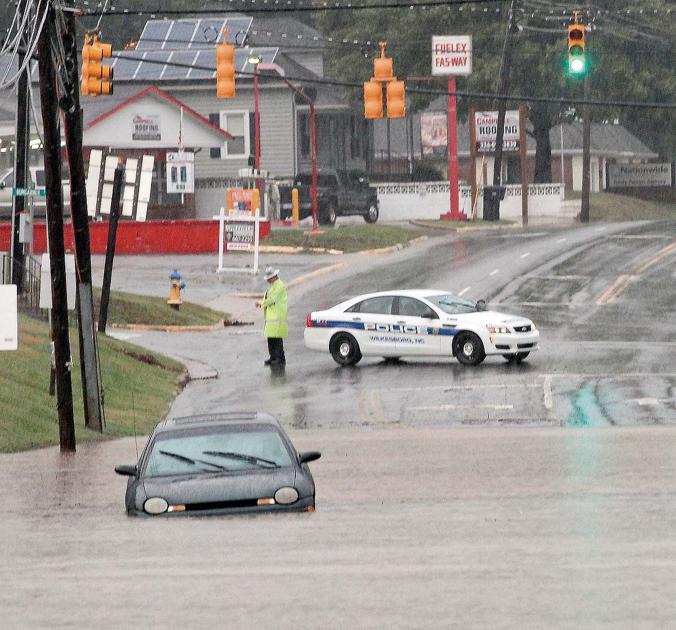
column 276, row 350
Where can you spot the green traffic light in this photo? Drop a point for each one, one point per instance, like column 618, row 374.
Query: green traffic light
column 577, row 65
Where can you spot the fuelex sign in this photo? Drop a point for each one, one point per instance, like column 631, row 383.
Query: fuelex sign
column 639, row 175
column 451, row 55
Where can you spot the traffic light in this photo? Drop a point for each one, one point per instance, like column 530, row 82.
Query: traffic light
column 396, row 99
column 225, row 69
column 577, row 56
column 96, row 77
column 373, row 99
column 383, row 72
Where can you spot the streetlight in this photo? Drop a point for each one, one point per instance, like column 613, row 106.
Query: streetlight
column 313, row 132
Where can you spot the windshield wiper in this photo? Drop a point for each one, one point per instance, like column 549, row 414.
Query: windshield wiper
column 190, row 460
column 252, row 459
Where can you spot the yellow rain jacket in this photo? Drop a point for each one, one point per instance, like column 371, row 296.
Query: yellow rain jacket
column 275, row 310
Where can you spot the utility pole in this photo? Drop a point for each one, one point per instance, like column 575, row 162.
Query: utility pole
column 110, row 249
column 503, row 89
column 52, row 148
column 20, row 163
column 586, row 143
column 72, row 114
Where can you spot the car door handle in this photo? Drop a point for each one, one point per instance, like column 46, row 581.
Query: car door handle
column 356, row 319
column 401, row 321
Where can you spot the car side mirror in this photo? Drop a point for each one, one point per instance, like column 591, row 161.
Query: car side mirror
column 309, row 456
column 2, row 185
column 481, row 305
column 126, row 470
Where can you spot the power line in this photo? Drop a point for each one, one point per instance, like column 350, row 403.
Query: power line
column 413, row 90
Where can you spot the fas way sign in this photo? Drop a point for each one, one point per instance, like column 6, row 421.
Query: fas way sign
column 451, row 55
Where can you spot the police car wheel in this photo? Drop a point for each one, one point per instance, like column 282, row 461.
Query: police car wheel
column 468, row 349
column 328, row 217
column 345, row 349
column 371, row 215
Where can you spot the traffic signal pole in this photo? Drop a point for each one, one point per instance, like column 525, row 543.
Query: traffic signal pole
column 586, row 145
column 72, row 114
column 452, row 134
column 54, row 201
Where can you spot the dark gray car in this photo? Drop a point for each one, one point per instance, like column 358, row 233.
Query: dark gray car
column 218, row 464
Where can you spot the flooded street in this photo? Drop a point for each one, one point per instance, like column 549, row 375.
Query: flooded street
column 465, row 527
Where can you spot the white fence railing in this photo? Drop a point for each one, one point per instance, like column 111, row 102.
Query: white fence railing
column 428, row 200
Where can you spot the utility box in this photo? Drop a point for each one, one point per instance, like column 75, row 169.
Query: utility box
column 9, row 319
column 493, row 195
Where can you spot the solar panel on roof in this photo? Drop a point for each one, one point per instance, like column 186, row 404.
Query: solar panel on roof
column 180, row 35
column 125, row 68
column 154, row 33
column 150, row 70
column 205, row 58
column 209, row 33
column 182, row 57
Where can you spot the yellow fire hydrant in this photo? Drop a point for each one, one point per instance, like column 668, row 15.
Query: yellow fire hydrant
column 175, row 286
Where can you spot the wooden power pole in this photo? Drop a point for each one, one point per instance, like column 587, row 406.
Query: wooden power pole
column 52, row 149
column 586, row 144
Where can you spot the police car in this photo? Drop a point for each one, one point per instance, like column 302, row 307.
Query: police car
column 420, row 323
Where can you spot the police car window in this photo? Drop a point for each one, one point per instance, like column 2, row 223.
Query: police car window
column 452, row 304
column 414, row 308
column 377, row 306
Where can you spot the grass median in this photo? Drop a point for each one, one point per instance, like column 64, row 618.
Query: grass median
column 347, row 238
column 612, row 207
column 139, row 386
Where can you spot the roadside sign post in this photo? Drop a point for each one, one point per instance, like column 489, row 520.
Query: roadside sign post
column 239, row 231
column 451, row 57
column 9, row 319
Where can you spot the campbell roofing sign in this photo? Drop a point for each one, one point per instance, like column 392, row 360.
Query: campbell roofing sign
column 639, row 175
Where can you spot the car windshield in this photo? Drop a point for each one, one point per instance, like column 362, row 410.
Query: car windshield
column 230, row 448
column 452, row 304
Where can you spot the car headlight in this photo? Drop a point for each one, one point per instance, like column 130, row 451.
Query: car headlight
column 155, row 505
column 497, row 329
column 286, row 495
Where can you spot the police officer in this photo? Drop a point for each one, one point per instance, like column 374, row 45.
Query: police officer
column 275, row 309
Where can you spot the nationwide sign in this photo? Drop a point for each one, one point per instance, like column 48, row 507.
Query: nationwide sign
column 451, row 55
column 639, row 175
column 486, row 125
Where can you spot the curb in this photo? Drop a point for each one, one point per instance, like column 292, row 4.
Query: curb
column 470, row 228
column 288, row 249
column 176, row 328
column 395, row 248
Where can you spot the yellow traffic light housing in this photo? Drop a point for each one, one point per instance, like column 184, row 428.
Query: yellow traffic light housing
column 577, row 56
column 373, row 100
column 96, row 77
column 396, row 99
column 383, row 72
column 225, row 69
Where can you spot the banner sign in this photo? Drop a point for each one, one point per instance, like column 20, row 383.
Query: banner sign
column 146, row 127
column 451, row 55
column 486, row 125
column 434, row 133
column 639, row 175
column 180, row 172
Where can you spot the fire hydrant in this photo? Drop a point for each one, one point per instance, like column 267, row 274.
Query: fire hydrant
column 175, row 286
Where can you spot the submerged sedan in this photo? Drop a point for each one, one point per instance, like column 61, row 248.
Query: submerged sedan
column 418, row 323
column 217, row 464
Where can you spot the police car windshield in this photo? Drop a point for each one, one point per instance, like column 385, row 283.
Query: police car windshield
column 452, row 304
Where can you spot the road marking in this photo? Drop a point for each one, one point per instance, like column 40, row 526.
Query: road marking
column 448, row 388
column 570, row 277
column 601, row 229
column 639, row 237
column 547, row 392
column 525, row 255
column 452, row 407
column 562, row 240
column 615, row 290
column 650, row 402
column 464, row 291
column 492, row 273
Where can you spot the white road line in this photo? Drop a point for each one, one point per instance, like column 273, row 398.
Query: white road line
column 464, row 291
column 562, row 240
column 492, row 273
column 525, row 255
column 547, row 392
column 601, row 229
column 448, row 388
column 451, row 407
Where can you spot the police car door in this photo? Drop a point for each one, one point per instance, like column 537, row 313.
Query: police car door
column 375, row 316
column 418, row 331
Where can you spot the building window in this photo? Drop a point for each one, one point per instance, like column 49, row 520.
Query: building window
column 355, row 138
column 304, row 132
column 237, row 125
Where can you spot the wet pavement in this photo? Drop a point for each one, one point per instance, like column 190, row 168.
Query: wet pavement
column 539, row 495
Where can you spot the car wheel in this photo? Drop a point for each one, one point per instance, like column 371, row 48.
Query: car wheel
column 328, row 217
column 345, row 349
column 371, row 215
column 469, row 349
